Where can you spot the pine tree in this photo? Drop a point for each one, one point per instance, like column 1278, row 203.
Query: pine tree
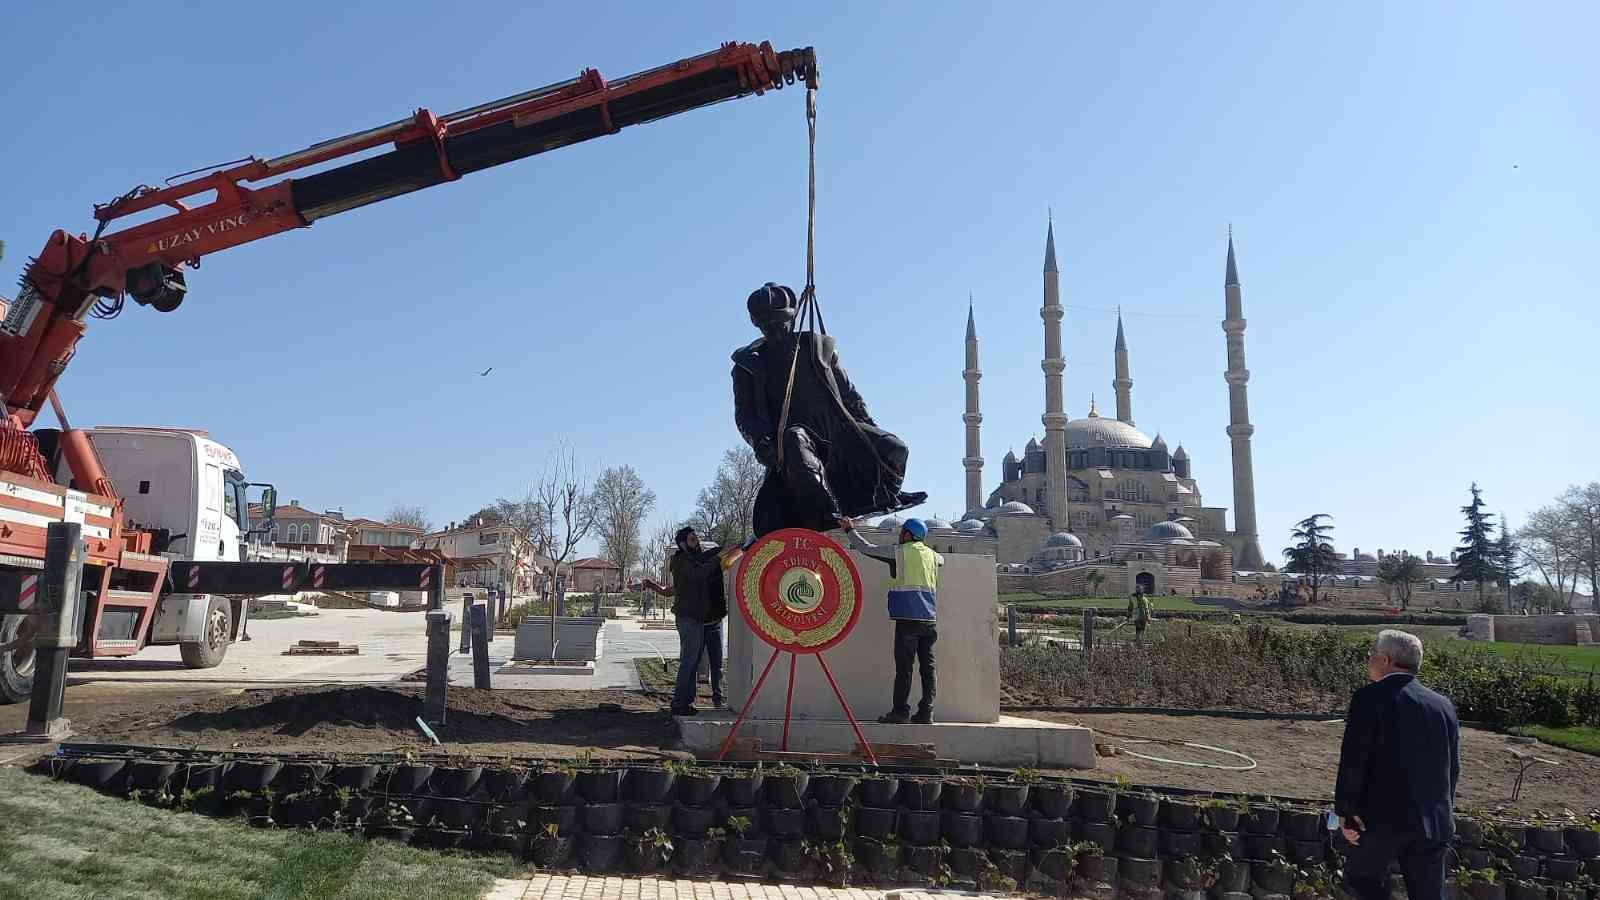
column 1508, row 557
column 1312, row 553
column 1478, row 558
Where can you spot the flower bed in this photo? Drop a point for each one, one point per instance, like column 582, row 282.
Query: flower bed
column 993, row 829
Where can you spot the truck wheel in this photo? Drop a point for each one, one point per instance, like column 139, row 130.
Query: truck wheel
column 16, row 667
column 213, row 644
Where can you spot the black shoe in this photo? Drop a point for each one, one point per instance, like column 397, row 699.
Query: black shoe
column 718, row 703
column 894, row 718
column 685, row 711
column 923, row 717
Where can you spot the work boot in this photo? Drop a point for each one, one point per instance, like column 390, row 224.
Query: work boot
column 923, row 717
column 897, row 717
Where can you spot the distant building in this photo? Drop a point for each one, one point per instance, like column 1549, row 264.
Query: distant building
column 295, row 527
column 595, row 575
column 488, row 555
column 372, row 533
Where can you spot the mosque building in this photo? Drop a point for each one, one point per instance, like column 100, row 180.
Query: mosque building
column 1098, row 494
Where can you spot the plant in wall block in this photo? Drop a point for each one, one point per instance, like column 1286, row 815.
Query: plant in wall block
column 832, row 859
column 1316, row 882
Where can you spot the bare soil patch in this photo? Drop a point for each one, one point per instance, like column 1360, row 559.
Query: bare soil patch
column 1300, row 759
column 367, row 719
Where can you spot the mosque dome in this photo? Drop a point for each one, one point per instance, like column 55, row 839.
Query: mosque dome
column 1062, row 539
column 980, row 514
column 937, row 524
column 1165, row 532
column 890, row 522
column 970, row 526
column 1014, row 508
column 1097, row 431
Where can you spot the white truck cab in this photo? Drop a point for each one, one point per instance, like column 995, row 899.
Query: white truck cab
column 190, row 491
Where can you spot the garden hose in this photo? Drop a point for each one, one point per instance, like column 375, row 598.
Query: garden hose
column 1136, row 739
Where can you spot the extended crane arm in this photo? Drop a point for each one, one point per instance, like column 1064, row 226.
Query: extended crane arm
column 74, row 273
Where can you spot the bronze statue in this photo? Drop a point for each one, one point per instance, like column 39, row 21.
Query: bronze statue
column 830, row 459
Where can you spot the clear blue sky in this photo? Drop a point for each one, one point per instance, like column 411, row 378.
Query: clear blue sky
column 1412, row 189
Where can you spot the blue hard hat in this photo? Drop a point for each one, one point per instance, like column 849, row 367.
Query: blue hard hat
column 917, row 527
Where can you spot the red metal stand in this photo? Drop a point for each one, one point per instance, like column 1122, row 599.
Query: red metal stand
column 794, row 659
column 788, row 702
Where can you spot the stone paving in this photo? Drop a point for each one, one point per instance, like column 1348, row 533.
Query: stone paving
column 544, row 886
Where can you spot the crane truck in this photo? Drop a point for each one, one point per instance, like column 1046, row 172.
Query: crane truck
column 148, row 498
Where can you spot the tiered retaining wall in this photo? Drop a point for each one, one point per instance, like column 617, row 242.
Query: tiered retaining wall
column 911, row 827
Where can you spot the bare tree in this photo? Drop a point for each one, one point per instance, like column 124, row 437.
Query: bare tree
column 659, row 550
column 1583, row 506
column 1552, row 545
column 621, row 504
column 723, row 509
column 563, row 517
column 408, row 515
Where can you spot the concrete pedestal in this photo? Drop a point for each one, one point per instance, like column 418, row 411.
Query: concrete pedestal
column 968, row 725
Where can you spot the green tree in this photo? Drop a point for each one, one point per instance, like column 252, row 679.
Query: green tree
column 1095, row 578
column 1400, row 571
column 1312, row 553
column 1477, row 559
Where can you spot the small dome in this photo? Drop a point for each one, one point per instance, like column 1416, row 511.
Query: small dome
column 1014, row 508
column 1033, row 445
column 1163, row 532
column 1180, row 453
column 937, row 524
column 980, row 514
column 1062, row 539
column 1158, row 443
column 970, row 526
column 1011, row 456
column 1120, row 516
column 890, row 522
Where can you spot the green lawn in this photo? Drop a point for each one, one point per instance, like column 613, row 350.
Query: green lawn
column 1030, row 600
column 64, row 841
column 1580, row 658
column 1582, row 739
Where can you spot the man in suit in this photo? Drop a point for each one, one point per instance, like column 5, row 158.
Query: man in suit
column 1398, row 769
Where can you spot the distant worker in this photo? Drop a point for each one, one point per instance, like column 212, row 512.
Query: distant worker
column 1398, row 768
column 1139, row 612
column 699, row 605
column 914, row 607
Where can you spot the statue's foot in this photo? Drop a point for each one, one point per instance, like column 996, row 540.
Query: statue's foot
column 908, row 500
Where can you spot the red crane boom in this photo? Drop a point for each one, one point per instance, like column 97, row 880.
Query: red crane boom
column 78, row 275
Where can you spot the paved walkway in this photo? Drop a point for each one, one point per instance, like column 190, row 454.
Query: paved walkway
column 543, row 886
column 393, row 645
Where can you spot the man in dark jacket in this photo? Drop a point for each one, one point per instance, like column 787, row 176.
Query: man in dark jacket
column 1398, row 769
column 699, row 606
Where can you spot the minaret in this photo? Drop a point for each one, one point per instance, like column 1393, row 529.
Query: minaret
column 1055, row 417
column 973, row 461
column 1239, row 427
column 1123, row 384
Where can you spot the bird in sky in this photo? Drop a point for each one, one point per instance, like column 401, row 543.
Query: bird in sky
column 486, row 372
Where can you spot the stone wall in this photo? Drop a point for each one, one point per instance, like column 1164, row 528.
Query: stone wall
column 1545, row 629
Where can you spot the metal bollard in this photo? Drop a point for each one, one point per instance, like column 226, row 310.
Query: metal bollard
column 1088, row 631
column 480, row 645
column 466, row 622
column 435, row 698
column 1011, row 624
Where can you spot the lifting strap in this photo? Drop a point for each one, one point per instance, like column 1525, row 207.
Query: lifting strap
column 808, row 313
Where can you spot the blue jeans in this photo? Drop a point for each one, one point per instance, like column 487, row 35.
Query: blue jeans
column 693, row 637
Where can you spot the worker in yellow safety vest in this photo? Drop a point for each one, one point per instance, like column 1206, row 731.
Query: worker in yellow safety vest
column 914, row 607
column 1139, row 612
